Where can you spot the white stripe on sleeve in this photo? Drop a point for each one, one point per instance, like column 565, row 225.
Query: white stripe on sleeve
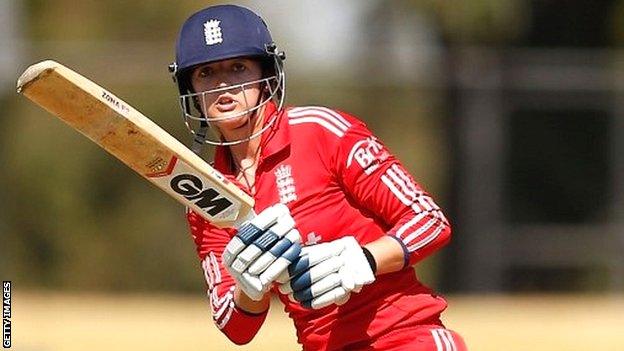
column 395, row 190
column 426, row 240
column 313, row 119
column 323, row 112
column 447, row 343
column 410, row 223
column 449, row 336
column 436, row 339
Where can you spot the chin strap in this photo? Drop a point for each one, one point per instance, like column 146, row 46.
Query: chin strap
column 200, row 138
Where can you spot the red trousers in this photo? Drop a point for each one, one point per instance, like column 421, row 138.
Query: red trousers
column 419, row 338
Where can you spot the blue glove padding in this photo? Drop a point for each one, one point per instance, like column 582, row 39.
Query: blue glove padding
column 327, row 273
column 261, row 250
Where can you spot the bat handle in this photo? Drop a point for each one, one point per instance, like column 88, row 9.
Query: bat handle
column 249, row 215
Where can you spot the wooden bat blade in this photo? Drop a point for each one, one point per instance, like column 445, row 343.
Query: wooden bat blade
column 135, row 140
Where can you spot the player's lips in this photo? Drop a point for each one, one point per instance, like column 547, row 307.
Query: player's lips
column 225, row 104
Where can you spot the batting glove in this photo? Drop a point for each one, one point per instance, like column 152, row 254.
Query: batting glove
column 262, row 249
column 328, row 273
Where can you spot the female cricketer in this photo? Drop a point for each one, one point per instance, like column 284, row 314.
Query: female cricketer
column 340, row 221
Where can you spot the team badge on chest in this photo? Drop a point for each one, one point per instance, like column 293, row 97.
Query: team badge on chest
column 285, row 184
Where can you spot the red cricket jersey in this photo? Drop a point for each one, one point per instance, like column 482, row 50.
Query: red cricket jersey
column 338, row 180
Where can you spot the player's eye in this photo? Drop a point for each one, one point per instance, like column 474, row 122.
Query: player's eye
column 205, row 72
column 238, row 67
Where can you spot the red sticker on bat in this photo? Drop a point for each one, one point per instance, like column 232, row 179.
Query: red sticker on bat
column 161, row 168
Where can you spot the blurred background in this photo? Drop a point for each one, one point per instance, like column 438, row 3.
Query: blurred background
column 509, row 112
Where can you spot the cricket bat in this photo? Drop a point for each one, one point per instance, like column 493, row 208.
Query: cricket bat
column 136, row 141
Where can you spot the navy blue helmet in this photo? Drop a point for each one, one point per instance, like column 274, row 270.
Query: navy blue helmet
column 219, row 33
column 222, row 32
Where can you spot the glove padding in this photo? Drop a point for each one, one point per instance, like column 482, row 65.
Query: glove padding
column 262, row 249
column 327, row 273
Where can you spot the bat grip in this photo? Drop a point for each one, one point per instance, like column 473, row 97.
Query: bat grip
column 242, row 219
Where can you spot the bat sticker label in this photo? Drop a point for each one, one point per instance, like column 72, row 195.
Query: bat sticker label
column 115, row 102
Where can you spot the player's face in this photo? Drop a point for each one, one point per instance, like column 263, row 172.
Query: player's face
column 228, row 102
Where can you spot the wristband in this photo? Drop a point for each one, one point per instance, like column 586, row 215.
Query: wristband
column 371, row 260
column 406, row 253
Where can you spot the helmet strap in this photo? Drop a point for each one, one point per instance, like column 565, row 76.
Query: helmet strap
column 200, row 138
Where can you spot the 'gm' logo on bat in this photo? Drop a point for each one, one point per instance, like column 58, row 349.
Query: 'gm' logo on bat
column 192, row 188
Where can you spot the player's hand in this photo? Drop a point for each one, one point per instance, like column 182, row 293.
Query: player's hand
column 262, row 249
column 327, row 273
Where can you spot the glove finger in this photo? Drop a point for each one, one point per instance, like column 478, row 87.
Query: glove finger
column 269, row 216
column 321, row 252
column 253, row 251
column 253, row 282
column 244, row 258
column 232, row 249
column 328, row 298
column 354, row 257
column 280, row 264
column 280, row 209
column 276, row 251
column 285, row 224
column 247, row 233
column 343, row 300
column 300, row 265
column 347, row 278
column 294, row 236
column 317, row 289
column 315, row 273
column 283, row 277
column 262, row 242
column 268, row 246
column 248, row 288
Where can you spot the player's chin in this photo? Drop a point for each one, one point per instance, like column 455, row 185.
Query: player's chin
column 234, row 123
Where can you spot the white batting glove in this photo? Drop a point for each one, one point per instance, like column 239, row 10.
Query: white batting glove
column 262, row 249
column 327, row 273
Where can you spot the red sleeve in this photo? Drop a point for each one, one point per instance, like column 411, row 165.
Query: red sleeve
column 380, row 183
column 238, row 325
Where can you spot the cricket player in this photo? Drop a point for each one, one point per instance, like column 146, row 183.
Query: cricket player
column 340, row 221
